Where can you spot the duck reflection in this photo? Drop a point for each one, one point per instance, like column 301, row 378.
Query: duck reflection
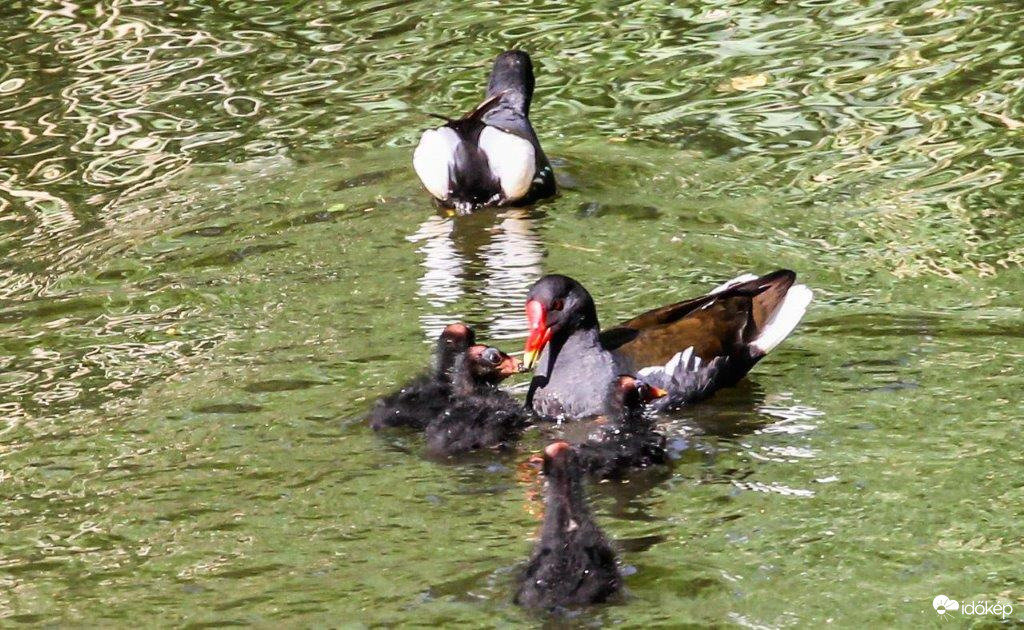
column 491, row 256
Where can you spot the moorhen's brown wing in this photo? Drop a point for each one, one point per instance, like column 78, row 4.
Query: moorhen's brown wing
column 715, row 325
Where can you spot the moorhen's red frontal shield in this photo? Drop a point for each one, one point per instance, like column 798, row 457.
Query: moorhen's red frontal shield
column 540, row 334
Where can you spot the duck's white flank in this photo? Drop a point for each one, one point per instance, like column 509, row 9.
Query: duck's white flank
column 433, row 158
column 512, row 160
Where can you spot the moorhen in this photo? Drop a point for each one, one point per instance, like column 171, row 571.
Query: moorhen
column 631, row 441
column 479, row 415
column 424, row 397
column 691, row 349
column 573, row 563
column 490, row 156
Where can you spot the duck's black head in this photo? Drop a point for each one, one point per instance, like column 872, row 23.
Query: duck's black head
column 513, row 74
column 556, row 307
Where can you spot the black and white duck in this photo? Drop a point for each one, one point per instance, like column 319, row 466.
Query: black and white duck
column 491, row 156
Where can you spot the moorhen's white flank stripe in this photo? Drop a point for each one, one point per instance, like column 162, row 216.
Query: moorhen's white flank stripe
column 661, row 375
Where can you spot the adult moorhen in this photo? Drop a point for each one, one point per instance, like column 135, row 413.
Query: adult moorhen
column 491, row 156
column 631, row 441
column 424, row 397
column 572, row 564
column 479, row 415
column 691, row 349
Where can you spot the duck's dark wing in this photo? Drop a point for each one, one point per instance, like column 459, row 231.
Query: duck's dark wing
column 477, row 114
column 714, row 325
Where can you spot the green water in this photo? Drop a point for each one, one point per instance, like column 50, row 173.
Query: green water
column 215, row 255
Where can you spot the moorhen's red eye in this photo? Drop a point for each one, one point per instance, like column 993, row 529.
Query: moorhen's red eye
column 557, row 305
column 492, row 356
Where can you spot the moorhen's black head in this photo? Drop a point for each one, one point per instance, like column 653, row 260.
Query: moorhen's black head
column 556, row 306
column 455, row 339
column 513, row 74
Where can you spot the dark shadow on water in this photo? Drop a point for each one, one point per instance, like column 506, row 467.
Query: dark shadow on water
column 280, row 385
column 317, row 216
column 730, row 413
column 231, row 408
column 627, row 496
column 235, row 256
column 209, row 231
column 460, row 588
column 628, row 211
column 639, row 544
column 365, row 179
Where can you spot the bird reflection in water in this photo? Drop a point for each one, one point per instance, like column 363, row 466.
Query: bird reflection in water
column 492, row 257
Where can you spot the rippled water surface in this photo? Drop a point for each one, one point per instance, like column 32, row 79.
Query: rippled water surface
column 215, row 255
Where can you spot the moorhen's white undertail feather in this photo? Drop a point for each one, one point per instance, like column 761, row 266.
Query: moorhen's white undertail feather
column 433, row 160
column 512, row 161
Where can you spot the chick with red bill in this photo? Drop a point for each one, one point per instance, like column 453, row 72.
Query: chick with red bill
column 573, row 563
column 420, row 400
column 479, row 415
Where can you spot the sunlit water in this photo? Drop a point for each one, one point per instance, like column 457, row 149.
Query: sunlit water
column 215, row 255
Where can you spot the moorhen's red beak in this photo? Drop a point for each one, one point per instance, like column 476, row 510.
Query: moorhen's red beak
column 540, row 334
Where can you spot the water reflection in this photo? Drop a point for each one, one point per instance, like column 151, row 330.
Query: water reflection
column 491, row 257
